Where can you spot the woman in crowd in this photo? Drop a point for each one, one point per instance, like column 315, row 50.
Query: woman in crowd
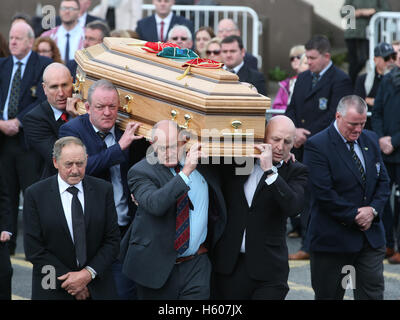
column 202, row 36
column 212, row 50
column 46, row 46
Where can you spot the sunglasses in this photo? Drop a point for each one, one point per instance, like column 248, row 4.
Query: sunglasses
column 215, row 52
column 182, row 38
column 295, row 57
column 393, row 56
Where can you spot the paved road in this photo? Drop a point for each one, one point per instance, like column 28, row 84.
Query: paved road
column 299, row 277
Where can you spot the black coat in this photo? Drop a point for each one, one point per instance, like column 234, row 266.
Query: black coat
column 256, row 78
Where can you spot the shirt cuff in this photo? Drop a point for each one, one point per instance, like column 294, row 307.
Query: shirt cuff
column 271, row 179
column 185, row 178
column 91, row 271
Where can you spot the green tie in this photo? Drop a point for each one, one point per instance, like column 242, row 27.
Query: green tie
column 15, row 92
column 357, row 160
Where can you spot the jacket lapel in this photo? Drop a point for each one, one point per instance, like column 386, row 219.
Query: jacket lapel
column 29, row 74
column 344, row 153
column 321, row 82
column 89, row 196
column 369, row 160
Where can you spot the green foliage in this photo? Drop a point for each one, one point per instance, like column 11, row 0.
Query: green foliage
column 277, row 74
column 339, row 59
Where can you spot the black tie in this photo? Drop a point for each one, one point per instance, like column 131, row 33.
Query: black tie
column 102, row 135
column 315, row 78
column 78, row 226
column 357, row 160
column 15, row 92
column 67, row 49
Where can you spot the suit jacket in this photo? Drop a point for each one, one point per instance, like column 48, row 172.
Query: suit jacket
column 338, row 192
column 47, row 239
column 147, row 27
column 264, row 221
column 385, row 115
column 148, row 247
column 41, row 132
column 251, row 61
column 31, row 85
column 101, row 158
column 315, row 109
column 256, row 78
column 72, row 66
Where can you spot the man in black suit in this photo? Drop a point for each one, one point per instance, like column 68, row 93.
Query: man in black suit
column 313, row 105
column 71, row 233
column 20, row 90
column 251, row 258
column 41, row 125
column 350, row 188
column 181, row 214
column 385, row 123
column 156, row 27
column 232, row 54
column 5, row 235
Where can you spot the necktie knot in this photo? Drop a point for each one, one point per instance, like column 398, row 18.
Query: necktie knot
column 102, row 135
column 178, row 168
column 73, row 190
column 315, row 78
column 351, row 145
column 64, row 117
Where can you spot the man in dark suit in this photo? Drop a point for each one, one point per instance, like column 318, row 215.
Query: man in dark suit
column 5, row 235
column 42, row 123
column 385, row 123
column 70, row 230
column 232, row 54
column 20, row 89
column 111, row 153
column 156, row 27
column 251, row 258
column 350, row 188
column 313, row 104
column 181, row 214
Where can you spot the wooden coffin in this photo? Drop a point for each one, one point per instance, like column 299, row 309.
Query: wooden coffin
column 226, row 115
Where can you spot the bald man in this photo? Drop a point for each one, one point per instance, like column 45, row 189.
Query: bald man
column 251, row 258
column 41, row 125
column 20, row 90
column 181, row 215
column 227, row 27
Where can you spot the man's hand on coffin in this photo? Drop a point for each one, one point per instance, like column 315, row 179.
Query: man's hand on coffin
column 265, row 156
column 192, row 158
column 72, row 106
column 129, row 135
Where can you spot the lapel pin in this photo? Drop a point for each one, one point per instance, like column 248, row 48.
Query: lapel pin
column 366, row 149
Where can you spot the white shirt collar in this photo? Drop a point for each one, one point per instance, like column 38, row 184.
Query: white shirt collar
column 57, row 113
column 63, row 186
column 24, row 60
column 167, row 19
column 78, row 29
column 112, row 130
column 237, row 68
column 325, row 69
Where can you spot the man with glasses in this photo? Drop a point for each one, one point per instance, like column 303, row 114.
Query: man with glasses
column 111, row 152
column 349, row 189
column 157, row 26
column 367, row 84
column 70, row 35
column 181, row 36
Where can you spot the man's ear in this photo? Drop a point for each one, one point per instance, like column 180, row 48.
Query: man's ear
column 55, row 163
column 87, row 107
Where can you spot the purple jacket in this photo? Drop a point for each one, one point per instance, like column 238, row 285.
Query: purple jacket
column 282, row 97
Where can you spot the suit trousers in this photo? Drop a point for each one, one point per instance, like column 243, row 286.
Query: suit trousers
column 189, row 280
column 21, row 168
column 5, row 272
column 331, row 270
column 240, row 286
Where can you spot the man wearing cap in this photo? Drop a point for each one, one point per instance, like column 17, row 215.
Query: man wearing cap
column 385, row 122
column 367, row 84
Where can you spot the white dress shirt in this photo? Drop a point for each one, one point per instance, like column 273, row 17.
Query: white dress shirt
column 167, row 22
column 76, row 34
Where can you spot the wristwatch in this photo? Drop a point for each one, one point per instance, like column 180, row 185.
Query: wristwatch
column 374, row 212
column 271, row 171
column 90, row 270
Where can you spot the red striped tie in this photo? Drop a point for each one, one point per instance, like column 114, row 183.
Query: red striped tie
column 162, row 31
column 182, row 228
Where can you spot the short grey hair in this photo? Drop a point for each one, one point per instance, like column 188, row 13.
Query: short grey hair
column 62, row 142
column 180, row 27
column 102, row 83
column 352, row 101
column 171, row 124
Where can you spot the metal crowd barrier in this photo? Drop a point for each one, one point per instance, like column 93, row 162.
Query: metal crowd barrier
column 383, row 27
column 210, row 16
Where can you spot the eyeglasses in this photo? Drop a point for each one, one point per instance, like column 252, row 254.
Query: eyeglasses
column 68, row 9
column 176, row 38
column 295, row 57
column 393, row 56
column 215, row 52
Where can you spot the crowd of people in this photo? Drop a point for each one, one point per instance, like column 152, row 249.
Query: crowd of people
column 115, row 225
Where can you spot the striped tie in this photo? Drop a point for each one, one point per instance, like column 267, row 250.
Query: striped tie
column 357, row 160
column 182, row 227
column 315, row 78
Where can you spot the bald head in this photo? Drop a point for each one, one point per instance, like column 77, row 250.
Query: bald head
column 280, row 133
column 57, row 85
column 226, row 28
column 21, row 39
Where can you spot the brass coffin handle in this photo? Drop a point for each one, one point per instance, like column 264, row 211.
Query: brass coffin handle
column 127, row 105
column 236, row 124
column 77, row 85
column 187, row 118
column 174, row 113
